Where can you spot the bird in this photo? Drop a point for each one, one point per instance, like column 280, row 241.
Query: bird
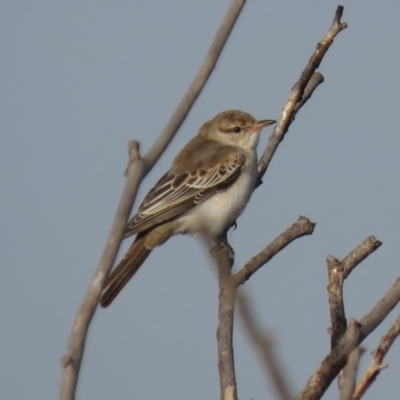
column 206, row 189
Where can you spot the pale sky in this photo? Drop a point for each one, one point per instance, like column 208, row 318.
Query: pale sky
column 79, row 79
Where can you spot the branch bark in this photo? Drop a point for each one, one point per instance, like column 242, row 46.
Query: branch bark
column 228, row 285
column 353, row 337
column 338, row 271
column 367, row 247
column 301, row 92
column 226, row 309
column 350, row 373
column 300, row 228
column 376, row 365
column 336, row 305
column 136, row 171
column 71, row 362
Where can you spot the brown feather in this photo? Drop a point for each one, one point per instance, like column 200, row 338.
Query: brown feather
column 128, row 266
column 178, row 191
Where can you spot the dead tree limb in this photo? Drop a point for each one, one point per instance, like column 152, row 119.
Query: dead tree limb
column 356, row 332
column 377, row 364
column 301, row 92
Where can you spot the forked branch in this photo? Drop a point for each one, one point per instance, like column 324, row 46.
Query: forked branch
column 301, row 92
column 356, row 332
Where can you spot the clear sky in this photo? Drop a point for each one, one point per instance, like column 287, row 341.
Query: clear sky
column 80, row 78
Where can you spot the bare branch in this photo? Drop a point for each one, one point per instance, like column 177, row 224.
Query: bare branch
column 136, row 171
column 367, row 247
column 71, row 362
column 300, row 228
column 300, row 93
column 354, row 335
column 226, row 309
column 332, row 364
column 316, row 79
column 350, row 373
column 335, row 293
column 264, row 344
column 198, row 83
column 227, row 292
column 338, row 271
column 386, row 304
column 376, row 365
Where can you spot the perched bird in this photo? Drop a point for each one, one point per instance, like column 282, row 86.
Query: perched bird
column 206, row 189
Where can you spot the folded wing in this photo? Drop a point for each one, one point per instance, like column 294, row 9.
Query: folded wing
column 176, row 193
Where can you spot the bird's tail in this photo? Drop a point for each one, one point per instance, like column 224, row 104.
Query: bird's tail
column 121, row 275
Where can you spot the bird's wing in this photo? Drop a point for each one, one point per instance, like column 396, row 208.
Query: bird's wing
column 176, row 193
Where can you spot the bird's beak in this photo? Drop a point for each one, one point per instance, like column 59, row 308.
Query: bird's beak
column 264, row 123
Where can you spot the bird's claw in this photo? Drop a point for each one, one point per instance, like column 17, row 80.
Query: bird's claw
column 231, row 253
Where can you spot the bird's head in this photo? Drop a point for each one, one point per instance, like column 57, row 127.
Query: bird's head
column 237, row 128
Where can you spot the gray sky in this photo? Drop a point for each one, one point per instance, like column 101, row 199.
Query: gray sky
column 81, row 78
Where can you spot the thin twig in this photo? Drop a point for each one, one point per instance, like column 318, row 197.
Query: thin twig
column 136, row 171
column 367, row 247
column 300, row 93
column 376, row 365
column 264, row 346
column 354, row 335
column 300, row 228
column 315, row 80
column 386, row 304
column 198, row 83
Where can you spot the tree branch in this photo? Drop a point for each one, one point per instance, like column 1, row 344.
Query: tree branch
column 300, row 228
column 136, row 171
column 198, row 83
column 354, row 335
column 367, row 247
column 226, row 309
column 376, row 365
column 335, row 293
column 71, row 362
column 338, row 271
column 228, row 285
column 350, row 373
column 301, row 92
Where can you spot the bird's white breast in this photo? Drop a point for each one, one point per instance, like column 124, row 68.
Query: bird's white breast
column 220, row 211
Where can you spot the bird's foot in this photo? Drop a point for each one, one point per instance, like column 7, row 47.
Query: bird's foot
column 222, row 243
column 225, row 245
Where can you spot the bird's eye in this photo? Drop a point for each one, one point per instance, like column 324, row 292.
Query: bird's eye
column 237, row 129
